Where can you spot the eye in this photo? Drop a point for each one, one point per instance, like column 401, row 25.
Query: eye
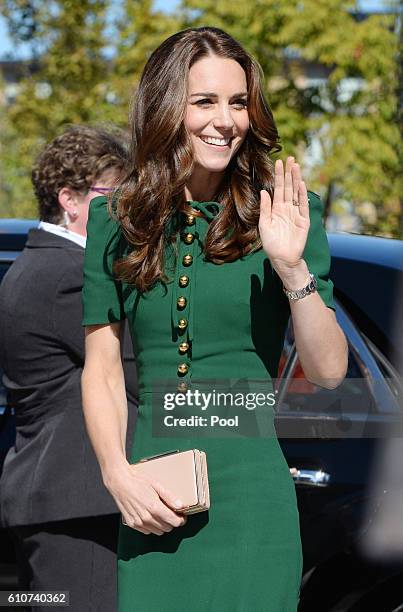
column 241, row 102
column 203, row 102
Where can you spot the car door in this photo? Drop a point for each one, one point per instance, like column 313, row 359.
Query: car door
column 330, row 438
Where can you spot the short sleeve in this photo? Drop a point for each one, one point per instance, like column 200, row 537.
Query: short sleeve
column 317, row 253
column 102, row 293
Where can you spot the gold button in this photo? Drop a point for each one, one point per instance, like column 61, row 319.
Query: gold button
column 184, row 281
column 190, row 220
column 182, row 323
column 187, row 260
column 182, row 387
column 183, row 368
column 181, row 302
column 183, row 347
column 188, row 238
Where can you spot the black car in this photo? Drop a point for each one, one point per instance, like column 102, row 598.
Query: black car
column 13, row 236
column 329, row 438
column 332, row 440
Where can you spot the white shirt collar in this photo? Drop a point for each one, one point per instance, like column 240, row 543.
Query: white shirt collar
column 62, row 231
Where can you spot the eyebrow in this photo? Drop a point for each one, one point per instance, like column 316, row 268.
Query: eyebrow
column 214, row 95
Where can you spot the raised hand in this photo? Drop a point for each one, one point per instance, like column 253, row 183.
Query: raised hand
column 284, row 223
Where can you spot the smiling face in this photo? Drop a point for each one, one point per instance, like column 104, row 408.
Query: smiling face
column 216, row 113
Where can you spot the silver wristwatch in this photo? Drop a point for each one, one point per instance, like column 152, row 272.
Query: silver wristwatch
column 301, row 293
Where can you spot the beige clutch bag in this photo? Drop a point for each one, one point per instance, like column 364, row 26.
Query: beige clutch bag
column 182, row 472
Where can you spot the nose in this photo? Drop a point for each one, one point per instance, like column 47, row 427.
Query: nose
column 223, row 117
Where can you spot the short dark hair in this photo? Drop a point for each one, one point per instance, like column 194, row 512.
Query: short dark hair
column 75, row 159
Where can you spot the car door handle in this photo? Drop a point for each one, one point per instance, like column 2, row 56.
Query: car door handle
column 312, row 478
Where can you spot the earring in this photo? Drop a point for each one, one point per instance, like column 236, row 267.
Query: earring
column 74, row 213
column 66, row 219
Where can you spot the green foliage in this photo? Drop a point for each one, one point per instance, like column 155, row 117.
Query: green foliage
column 343, row 128
column 23, row 20
column 359, row 135
column 141, row 29
column 67, row 88
column 88, row 66
column 356, row 133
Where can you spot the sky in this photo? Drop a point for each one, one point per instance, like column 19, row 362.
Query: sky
column 6, row 46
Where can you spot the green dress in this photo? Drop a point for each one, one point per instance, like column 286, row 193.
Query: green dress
column 245, row 552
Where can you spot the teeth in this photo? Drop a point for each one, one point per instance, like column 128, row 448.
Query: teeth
column 215, row 141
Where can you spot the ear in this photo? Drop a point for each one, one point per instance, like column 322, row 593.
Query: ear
column 67, row 199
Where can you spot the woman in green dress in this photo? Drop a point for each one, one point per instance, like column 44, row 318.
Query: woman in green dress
column 205, row 250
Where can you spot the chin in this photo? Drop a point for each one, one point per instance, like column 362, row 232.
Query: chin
column 213, row 166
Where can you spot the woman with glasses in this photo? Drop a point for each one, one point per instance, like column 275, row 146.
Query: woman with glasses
column 207, row 249
column 63, row 521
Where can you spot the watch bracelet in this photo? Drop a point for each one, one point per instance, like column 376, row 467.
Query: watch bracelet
column 298, row 294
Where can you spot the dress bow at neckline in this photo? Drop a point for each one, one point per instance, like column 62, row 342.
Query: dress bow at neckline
column 209, row 209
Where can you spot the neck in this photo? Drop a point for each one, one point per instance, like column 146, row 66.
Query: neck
column 76, row 228
column 203, row 185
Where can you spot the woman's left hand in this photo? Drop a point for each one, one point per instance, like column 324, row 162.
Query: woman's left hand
column 283, row 226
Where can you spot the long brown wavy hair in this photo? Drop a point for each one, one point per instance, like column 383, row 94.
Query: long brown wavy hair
column 153, row 192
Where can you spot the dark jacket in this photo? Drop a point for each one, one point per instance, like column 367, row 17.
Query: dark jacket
column 51, row 473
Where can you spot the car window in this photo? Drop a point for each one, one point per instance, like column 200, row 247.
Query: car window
column 353, row 396
column 392, row 377
column 287, row 348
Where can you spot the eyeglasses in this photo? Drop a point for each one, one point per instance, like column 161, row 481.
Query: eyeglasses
column 102, row 190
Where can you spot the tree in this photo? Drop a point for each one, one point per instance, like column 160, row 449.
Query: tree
column 90, row 54
column 354, row 129
column 344, row 126
column 68, row 87
column 399, row 97
column 141, row 29
column 357, row 120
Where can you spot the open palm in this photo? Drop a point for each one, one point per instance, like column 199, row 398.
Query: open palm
column 283, row 225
